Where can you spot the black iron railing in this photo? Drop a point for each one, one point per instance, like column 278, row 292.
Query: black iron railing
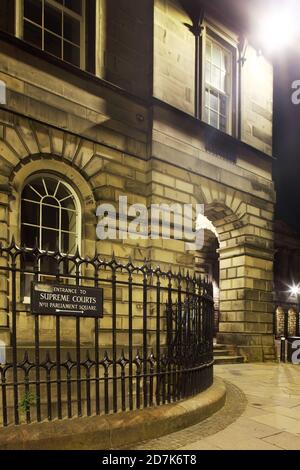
column 154, row 344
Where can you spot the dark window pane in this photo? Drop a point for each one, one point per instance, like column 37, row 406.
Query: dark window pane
column 62, row 193
column 68, row 220
column 50, row 240
column 68, row 242
column 32, row 34
column 48, row 266
column 52, row 44
column 28, row 193
column 50, row 201
column 30, row 236
column 51, row 184
column 28, row 263
column 69, row 203
column 7, row 14
column 223, row 105
column 50, row 217
column 33, row 10
column 222, row 124
column 30, row 213
column 65, row 220
column 39, row 187
column 71, row 54
column 53, row 19
column 74, row 5
column 71, row 29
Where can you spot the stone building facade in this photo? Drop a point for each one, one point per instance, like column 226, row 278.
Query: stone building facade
column 162, row 101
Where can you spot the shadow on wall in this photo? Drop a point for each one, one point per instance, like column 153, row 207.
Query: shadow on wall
column 125, row 41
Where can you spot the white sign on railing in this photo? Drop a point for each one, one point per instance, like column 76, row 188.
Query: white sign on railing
column 2, row 92
column 2, row 352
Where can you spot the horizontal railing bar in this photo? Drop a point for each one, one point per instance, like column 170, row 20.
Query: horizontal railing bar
column 151, row 274
column 102, row 379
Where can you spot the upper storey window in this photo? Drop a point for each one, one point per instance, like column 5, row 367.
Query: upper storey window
column 218, row 84
column 55, row 26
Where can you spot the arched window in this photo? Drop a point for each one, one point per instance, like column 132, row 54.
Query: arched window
column 50, row 215
column 50, row 220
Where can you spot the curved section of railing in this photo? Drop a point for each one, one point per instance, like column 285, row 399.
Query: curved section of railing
column 149, row 343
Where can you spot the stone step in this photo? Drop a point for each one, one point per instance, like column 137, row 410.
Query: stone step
column 270, row 358
column 220, row 346
column 222, row 352
column 227, row 354
column 224, row 346
column 229, row 360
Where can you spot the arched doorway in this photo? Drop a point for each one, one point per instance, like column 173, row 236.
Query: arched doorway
column 221, row 228
column 207, row 262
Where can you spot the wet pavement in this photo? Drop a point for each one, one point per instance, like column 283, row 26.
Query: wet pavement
column 262, row 412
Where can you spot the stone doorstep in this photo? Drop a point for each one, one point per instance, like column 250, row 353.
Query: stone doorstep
column 229, row 360
column 118, row 430
column 222, row 352
column 225, row 354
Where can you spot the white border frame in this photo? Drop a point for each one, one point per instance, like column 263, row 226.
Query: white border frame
column 73, row 193
column 230, row 40
column 229, row 127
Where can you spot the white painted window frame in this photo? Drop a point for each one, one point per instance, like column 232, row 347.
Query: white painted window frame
column 19, row 17
column 216, row 37
column 78, row 211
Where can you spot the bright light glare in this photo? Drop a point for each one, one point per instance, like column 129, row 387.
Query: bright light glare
column 295, row 290
column 278, row 29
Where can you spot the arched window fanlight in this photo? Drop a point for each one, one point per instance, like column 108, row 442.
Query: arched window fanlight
column 50, row 215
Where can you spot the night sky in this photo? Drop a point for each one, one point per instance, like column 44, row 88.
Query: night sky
column 286, row 114
column 255, row 17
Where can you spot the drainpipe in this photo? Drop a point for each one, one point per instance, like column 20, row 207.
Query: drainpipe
column 197, row 29
column 242, row 48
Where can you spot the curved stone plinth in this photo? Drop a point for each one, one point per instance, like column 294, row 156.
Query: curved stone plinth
column 118, row 430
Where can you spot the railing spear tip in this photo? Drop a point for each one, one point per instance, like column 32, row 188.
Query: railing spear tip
column 77, row 252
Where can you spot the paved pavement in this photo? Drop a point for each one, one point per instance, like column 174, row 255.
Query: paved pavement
column 262, row 412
